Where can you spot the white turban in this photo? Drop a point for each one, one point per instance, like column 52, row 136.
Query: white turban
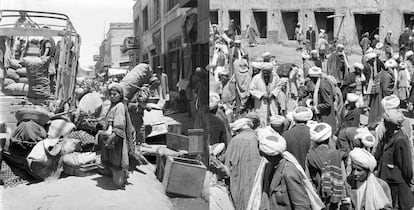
column 352, row 97
column 396, row 56
column 315, row 72
column 270, row 142
column 369, row 50
column 305, row 55
column 257, row 65
column 390, row 102
column 266, row 54
column 340, row 46
column 403, row 65
column 302, row 114
column 253, row 116
column 371, row 55
column 366, row 137
column 390, row 63
column 363, row 158
column 237, row 41
column 216, row 149
column 409, row 53
column 277, row 120
column 314, row 52
column 242, row 123
column 394, row 116
column 358, row 65
column 266, row 66
column 214, row 100
column 224, row 71
column 320, row 132
column 379, row 45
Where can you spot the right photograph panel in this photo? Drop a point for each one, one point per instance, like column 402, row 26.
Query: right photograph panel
column 311, row 104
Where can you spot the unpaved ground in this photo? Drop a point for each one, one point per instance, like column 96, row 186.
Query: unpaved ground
column 91, row 192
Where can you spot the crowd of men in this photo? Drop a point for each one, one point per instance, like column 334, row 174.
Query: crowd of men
column 291, row 136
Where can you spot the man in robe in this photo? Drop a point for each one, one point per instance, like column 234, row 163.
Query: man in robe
column 242, row 159
column 394, row 160
column 243, row 79
column 218, row 131
column 383, row 86
column 251, row 35
column 310, row 38
column 403, row 41
column 365, row 43
column 262, row 89
column 354, row 82
column 307, row 64
column 298, row 136
column 323, row 98
column 366, row 190
column 237, row 52
column 337, row 64
column 349, row 116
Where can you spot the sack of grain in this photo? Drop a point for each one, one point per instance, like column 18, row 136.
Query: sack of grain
column 16, row 89
column 60, row 128
column 21, row 72
column 38, row 76
column 23, row 80
column 38, row 114
column 11, row 74
column 15, row 64
column 8, row 81
column 138, row 76
column 90, row 104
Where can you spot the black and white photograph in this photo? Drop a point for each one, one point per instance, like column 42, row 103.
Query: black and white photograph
column 312, row 104
column 104, row 104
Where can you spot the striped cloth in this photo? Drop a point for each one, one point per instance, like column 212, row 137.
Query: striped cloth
column 333, row 178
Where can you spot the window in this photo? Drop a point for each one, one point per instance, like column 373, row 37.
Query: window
column 214, row 17
column 157, row 14
column 136, row 27
column 145, row 18
column 171, row 4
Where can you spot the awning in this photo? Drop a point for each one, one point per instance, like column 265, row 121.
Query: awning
column 115, row 72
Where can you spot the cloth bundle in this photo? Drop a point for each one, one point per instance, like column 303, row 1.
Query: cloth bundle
column 38, row 76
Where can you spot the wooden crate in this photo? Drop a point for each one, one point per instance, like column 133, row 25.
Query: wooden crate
column 192, row 143
column 184, row 177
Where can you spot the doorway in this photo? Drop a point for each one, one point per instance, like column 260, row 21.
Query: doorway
column 323, row 22
column 290, row 19
column 409, row 20
column 235, row 15
column 260, row 19
column 367, row 23
column 214, row 17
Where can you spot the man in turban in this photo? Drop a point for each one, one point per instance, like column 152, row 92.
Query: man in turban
column 337, row 64
column 219, row 132
column 350, row 137
column 354, row 82
column 350, row 115
column 278, row 123
column 323, row 98
column 262, row 89
column 243, row 79
column 242, row 159
column 298, row 136
column 366, row 190
column 383, row 86
column 394, row 160
column 279, row 170
column 324, row 165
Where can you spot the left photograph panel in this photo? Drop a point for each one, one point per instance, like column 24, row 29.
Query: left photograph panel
column 104, row 104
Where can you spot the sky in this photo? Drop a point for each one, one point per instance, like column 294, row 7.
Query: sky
column 90, row 18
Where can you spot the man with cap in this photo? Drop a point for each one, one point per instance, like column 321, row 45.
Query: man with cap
column 337, row 64
column 298, row 136
column 324, row 165
column 394, row 160
column 365, row 190
column 299, row 35
column 280, row 170
column 372, row 67
column 242, row 159
column 323, row 98
column 350, row 115
column 262, row 88
column 365, row 42
column 310, row 38
column 383, row 86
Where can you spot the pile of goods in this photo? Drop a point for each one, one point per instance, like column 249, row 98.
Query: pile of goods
column 15, row 81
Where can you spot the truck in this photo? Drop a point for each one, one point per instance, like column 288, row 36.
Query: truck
column 24, row 26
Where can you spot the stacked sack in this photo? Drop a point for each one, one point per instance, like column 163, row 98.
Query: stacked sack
column 38, row 76
column 15, row 82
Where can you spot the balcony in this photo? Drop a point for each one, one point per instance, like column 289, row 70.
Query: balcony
column 188, row 3
column 130, row 43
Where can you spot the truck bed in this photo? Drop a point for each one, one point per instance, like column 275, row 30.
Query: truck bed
column 8, row 107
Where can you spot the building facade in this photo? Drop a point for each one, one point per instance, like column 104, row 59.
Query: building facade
column 275, row 20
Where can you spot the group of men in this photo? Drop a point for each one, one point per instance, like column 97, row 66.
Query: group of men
column 280, row 130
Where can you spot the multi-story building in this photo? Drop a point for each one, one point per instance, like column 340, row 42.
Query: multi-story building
column 110, row 50
column 275, row 20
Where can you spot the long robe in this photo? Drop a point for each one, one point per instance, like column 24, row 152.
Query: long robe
column 311, row 38
column 242, row 159
column 325, row 107
column 251, row 35
column 264, row 107
column 298, row 142
column 336, row 66
column 385, row 88
column 243, row 77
